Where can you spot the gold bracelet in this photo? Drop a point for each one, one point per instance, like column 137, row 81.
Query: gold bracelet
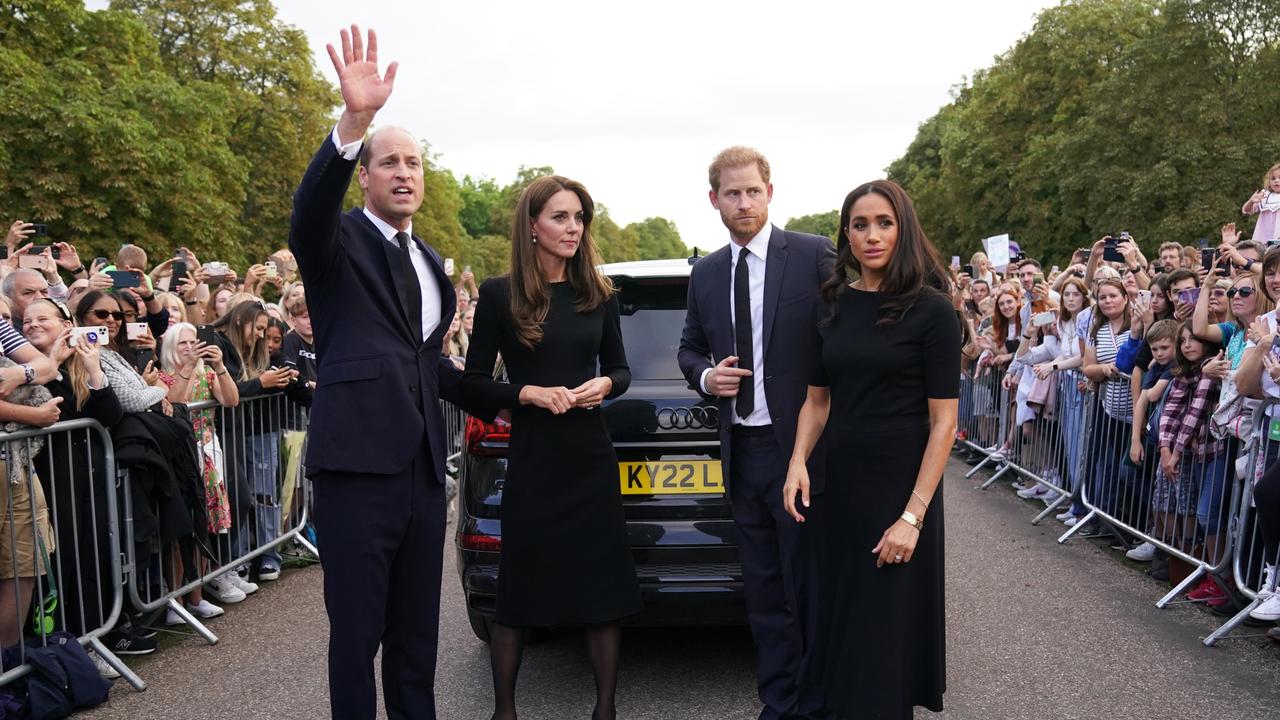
column 926, row 505
column 909, row 518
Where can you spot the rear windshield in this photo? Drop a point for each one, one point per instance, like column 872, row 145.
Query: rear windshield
column 652, row 320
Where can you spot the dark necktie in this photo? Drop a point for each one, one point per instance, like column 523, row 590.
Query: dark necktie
column 411, row 290
column 746, row 400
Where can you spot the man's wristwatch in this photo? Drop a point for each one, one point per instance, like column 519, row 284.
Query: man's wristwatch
column 29, row 374
column 79, row 270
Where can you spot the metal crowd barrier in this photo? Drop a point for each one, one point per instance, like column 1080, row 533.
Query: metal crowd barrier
column 1252, row 563
column 75, row 574
column 1080, row 453
column 1044, row 449
column 253, row 444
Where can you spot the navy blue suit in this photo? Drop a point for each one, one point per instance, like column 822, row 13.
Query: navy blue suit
column 376, row 449
column 778, row 569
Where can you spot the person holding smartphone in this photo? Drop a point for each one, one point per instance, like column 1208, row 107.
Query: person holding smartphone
column 194, row 371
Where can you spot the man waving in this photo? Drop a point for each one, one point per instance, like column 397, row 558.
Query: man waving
column 380, row 305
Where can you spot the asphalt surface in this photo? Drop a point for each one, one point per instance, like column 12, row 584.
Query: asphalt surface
column 1035, row 630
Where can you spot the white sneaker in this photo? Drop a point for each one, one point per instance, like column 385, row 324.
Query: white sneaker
column 1032, row 491
column 1065, row 515
column 1264, row 589
column 1269, row 610
column 172, row 618
column 1146, row 552
column 104, row 669
column 205, row 610
column 245, row 586
column 1071, row 521
column 1049, row 497
column 225, row 590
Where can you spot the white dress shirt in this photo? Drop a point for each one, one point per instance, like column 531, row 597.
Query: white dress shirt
column 757, row 251
column 431, row 307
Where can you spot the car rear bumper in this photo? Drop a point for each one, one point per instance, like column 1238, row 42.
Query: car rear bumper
column 677, row 589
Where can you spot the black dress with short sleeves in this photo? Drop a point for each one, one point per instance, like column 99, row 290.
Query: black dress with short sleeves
column 565, row 555
column 881, row 637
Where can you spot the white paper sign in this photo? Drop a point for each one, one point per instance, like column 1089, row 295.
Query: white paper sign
column 997, row 247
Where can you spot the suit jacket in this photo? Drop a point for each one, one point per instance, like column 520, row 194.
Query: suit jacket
column 797, row 266
column 378, row 384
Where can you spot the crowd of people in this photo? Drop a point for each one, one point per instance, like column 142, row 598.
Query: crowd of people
column 1169, row 356
column 132, row 344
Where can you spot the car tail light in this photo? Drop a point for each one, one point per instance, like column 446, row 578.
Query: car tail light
column 488, row 439
column 480, row 541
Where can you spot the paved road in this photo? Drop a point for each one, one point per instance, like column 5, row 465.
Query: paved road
column 1035, row 630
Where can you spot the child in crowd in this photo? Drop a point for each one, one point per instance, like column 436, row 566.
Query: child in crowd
column 1147, row 406
column 1265, row 204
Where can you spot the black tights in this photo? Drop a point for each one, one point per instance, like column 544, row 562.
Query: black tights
column 506, row 647
column 1266, row 499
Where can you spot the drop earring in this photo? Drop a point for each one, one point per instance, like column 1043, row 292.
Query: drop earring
column 535, row 239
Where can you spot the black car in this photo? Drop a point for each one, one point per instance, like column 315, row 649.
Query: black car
column 667, row 443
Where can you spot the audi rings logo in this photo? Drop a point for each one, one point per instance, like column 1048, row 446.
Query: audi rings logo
column 688, row 418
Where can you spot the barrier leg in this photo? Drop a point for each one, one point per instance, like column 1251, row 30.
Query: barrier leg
column 191, row 620
column 1052, row 509
column 1231, row 624
column 1077, row 527
column 116, row 664
column 1190, row 580
column 978, row 467
column 991, row 480
column 306, row 545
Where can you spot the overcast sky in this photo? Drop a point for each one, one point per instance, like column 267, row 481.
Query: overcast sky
column 634, row 99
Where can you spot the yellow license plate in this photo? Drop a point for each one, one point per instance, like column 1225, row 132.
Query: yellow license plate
column 677, row 477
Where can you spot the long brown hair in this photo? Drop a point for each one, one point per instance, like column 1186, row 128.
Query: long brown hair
column 914, row 269
column 999, row 323
column 254, row 359
column 1065, row 315
column 530, row 294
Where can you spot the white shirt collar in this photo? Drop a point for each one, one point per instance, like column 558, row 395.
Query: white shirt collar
column 388, row 232
column 759, row 245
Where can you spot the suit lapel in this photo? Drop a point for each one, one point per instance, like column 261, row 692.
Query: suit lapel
column 774, row 270
column 720, row 293
column 448, row 298
column 390, row 257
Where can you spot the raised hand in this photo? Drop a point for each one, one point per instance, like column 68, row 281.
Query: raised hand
column 364, row 91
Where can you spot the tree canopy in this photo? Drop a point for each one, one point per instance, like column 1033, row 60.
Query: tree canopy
column 168, row 123
column 1151, row 116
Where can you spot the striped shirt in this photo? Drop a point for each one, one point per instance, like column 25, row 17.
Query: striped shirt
column 10, row 339
column 1117, row 398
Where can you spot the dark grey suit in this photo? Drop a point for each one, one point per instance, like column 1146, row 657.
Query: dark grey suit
column 777, row 569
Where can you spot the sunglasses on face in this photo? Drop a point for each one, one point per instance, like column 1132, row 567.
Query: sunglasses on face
column 1243, row 292
column 104, row 314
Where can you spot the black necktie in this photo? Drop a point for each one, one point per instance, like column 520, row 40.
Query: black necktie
column 746, row 401
column 411, row 290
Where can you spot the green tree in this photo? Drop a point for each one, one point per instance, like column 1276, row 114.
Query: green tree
column 98, row 140
column 480, row 200
column 277, row 105
column 825, row 224
column 657, row 238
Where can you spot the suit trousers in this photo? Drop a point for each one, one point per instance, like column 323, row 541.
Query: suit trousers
column 779, row 574
column 383, row 551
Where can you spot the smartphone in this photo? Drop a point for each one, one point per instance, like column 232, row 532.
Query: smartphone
column 466, row 268
column 955, row 261
column 143, row 357
column 180, row 271
column 1109, row 251
column 124, row 279
column 39, row 230
column 218, row 271
column 1190, row 296
column 1045, row 318
column 1275, row 344
column 1038, row 279
column 272, row 271
column 1055, row 270
column 39, row 250
column 971, row 271
column 448, row 266
column 135, row 330
column 92, row 335
column 1145, row 296
column 1085, row 254
column 1206, row 257
column 206, row 335
column 101, row 262
column 35, row 262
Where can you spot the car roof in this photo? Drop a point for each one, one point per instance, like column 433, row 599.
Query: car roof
column 675, row 267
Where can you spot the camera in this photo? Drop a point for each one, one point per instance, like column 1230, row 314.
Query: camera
column 92, row 335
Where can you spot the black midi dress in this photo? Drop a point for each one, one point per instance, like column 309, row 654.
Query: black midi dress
column 565, row 557
column 881, row 638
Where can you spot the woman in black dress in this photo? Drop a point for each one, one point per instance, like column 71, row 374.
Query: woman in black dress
column 885, row 390
column 565, row 556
